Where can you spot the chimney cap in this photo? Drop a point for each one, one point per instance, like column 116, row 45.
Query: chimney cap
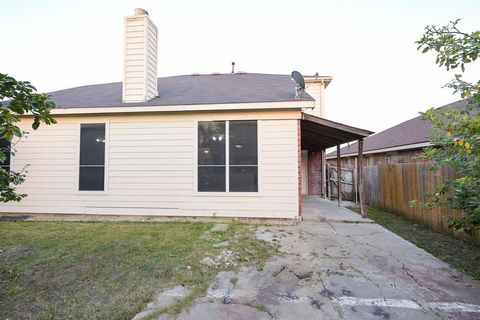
column 140, row 11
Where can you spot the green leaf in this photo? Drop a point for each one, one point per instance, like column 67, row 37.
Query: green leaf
column 460, row 148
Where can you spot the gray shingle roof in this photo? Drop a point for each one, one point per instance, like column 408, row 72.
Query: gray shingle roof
column 188, row 90
column 413, row 131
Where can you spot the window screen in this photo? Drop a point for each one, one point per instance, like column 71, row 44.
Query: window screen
column 243, row 166
column 211, row 156
column 92, row 157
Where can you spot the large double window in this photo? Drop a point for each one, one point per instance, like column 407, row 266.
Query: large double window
column 227, row 156
column 5, row 150
column 92, row 157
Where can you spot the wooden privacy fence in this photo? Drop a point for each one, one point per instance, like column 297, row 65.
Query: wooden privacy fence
column 394, row 186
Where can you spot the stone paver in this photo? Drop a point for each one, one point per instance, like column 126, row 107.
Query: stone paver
column 163, row 300
column 338, row 266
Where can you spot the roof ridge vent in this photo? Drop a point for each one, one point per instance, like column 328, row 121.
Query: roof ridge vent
column 195, row 74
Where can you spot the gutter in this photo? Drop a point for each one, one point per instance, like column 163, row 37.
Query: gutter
column 185, row 108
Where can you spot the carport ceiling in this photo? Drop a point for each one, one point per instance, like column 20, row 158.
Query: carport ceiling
column 319, row 134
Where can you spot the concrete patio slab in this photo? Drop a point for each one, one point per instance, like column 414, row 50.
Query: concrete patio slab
column 318, row 209
column 331, row 268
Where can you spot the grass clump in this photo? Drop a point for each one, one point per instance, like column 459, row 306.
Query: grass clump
column 234, row 281
column 259, row 306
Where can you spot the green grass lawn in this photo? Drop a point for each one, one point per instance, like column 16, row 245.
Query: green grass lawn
column 460, row 254
column 108, row 270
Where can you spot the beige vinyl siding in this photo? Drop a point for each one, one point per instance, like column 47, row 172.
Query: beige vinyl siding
column 134, row 56
column 151, row 168
column 317, row 91
column 151, row 60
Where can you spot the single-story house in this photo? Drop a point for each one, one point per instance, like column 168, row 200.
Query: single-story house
column 402, row 143
column 231, row 145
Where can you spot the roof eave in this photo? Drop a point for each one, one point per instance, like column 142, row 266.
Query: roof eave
column 297, row 104
column 360, row 132
column 319, row 79
column 412, row 146
column 320, row 134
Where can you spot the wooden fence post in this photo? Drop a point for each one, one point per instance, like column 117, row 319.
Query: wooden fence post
column 360, row 179
column 324, row 169
column 328, row 181
column 339, row 177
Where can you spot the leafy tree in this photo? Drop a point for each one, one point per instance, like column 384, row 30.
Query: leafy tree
column 455, row 134
column 18, row 98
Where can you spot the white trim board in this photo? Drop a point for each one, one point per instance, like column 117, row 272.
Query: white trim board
column 183, row 108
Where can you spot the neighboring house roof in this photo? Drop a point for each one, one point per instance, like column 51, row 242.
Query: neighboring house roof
column 188, row 90
column 411, row 134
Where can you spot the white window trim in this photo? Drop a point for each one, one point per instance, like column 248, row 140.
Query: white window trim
column 106, row 166
column 228, row 193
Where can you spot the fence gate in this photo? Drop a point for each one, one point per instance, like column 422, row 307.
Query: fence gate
column 347, row 180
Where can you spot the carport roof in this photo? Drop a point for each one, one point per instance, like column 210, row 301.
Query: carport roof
column 319, row 133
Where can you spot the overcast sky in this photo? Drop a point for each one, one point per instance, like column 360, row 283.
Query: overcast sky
column 379, row 79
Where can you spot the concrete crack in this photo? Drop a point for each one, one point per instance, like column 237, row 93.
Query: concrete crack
column 334, row 306
column 408, row 273
column 372, row 281
column 332, row 227
column 276, row 273
column 404, row 268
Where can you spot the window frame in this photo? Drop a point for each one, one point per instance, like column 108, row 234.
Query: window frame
column 106, row 164
column 227, row 192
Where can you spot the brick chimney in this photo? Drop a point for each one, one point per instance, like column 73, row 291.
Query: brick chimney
column 139, row 58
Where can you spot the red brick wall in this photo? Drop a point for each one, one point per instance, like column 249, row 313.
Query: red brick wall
column 406, row 156
column 315, row 173
column 299, row 164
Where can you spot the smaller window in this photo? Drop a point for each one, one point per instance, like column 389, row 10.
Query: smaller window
column 392, row 157
column 5, row 149
column 92, row 157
